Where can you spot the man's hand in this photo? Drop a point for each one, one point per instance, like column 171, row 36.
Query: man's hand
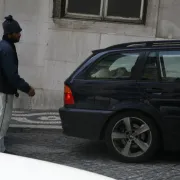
column 31, row 92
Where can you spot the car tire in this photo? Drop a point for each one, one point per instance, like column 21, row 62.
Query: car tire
column 123, row 144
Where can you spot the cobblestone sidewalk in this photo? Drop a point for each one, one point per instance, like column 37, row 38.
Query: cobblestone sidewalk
column 36, row 119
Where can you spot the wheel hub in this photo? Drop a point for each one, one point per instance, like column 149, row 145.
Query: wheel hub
column 129, row 136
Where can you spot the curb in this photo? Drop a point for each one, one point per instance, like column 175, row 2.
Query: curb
column 31, row 126
column 33, row 130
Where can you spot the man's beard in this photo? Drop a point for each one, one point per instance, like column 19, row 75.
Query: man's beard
column 15, row 40
column 12, row 40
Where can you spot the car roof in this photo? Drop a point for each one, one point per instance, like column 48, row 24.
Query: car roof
column 142, row 45
column 130, row 46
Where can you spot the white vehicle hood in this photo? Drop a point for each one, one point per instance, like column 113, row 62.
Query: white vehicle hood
column 21, row 168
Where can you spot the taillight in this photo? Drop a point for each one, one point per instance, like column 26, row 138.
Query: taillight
column 68, row 96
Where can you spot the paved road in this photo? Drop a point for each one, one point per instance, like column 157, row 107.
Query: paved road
column 53, row 146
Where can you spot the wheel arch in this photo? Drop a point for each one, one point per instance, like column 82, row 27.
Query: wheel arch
column 154, row 116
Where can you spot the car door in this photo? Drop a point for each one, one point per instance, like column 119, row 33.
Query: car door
column 160, row 87
column 108, row 81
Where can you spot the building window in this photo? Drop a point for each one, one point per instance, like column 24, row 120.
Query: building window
column 115, row 10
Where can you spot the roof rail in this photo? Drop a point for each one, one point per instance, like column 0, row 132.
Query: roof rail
column 146, row 44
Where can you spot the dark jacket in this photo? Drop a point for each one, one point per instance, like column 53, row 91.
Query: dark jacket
column 10, row 81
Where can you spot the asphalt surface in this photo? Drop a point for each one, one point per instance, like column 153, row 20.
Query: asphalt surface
column 53, row 146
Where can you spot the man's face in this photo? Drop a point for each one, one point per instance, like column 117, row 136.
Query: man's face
column 15, row 37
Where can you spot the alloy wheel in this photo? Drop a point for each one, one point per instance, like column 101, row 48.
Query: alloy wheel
column 131, row 137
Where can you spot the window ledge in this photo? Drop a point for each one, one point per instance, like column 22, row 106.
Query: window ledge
column 104, row 27
column 107, row 19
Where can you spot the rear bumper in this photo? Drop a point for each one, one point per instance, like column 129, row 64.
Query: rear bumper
column 87, row 124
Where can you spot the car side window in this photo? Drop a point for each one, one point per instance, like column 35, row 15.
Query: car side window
column 170, row 65
column 150, row 71
column 114, row 66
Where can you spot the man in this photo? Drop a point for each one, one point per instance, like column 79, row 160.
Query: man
column 10, row 81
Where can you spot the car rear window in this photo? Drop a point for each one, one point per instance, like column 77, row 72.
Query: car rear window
column 114, row 66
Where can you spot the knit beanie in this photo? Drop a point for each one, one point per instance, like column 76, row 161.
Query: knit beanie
column 11, row 26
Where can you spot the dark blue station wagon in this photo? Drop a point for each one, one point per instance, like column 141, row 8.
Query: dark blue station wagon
column 129, row 96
